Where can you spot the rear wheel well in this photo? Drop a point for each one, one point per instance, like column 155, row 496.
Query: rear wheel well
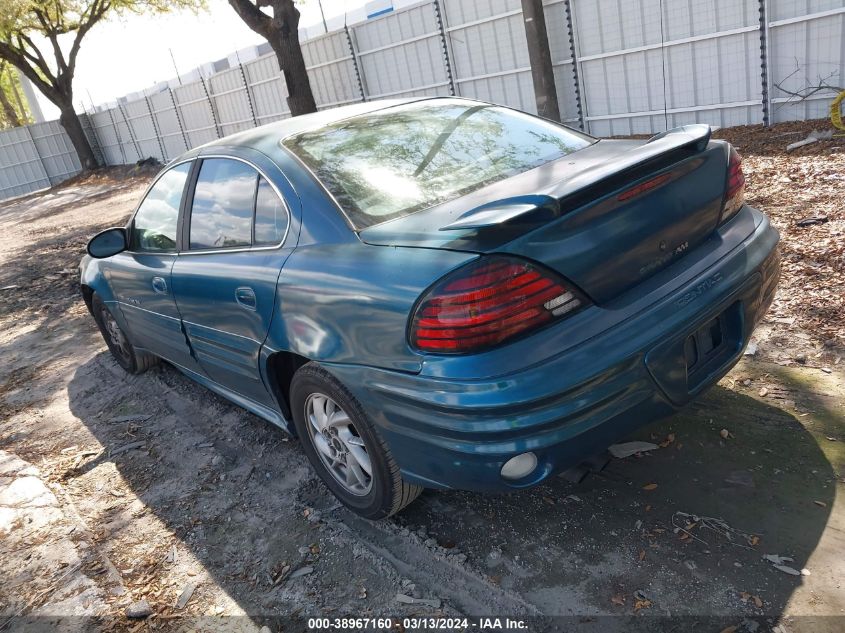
column 281, row 367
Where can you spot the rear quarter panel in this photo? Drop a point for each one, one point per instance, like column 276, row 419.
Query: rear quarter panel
column 349, row 302
column 339, row 300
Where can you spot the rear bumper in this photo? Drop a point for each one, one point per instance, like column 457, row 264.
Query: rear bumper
column 447, row 432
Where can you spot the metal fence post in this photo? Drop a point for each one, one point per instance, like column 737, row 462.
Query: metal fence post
column 117, row 134
column 580, row 92
column 179, row 119
column 765, row 71
column 248, row 95
column 38, row 153
column 97, row 143
column 355, row 64
column 130, row 130
column 440, row 18
column 155, row 129
column 211, row 107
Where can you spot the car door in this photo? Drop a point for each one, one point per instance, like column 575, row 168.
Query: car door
column 235, row 240
column 141, row 276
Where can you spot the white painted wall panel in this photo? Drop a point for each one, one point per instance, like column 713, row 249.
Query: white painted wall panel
column 231, row 101
column 400, row 54
column 513, row 90
column 21, row 169
column 805, row 53
column 489, row 53
column 784, row 9
column 169, row 128
column 110, row 145
column 139, row 117
column 195, row 113
column 55, row 149
column 331, row 70
column 698, row 60
column 269, row 91
column 124, row 133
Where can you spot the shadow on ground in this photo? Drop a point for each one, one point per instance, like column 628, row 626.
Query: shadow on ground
column 242, row 502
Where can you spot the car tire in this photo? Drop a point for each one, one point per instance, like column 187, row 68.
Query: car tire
column 346, row 437
column 132, row 360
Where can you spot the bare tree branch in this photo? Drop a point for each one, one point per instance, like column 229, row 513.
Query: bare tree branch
column 50, row 32
column 254, row 18
column 809, row 89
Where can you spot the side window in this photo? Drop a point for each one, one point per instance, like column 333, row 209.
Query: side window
column 154, row 226
column 271, row 217
column 224, row 199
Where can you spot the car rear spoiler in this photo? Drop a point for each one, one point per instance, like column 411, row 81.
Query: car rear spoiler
column 547, row 206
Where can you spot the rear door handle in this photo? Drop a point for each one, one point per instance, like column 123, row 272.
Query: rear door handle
column 159, row 285
column 246, row 298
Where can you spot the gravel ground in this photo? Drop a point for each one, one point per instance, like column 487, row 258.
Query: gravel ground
column 162, row 492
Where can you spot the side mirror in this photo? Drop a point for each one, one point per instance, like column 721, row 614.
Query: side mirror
column 109, row 242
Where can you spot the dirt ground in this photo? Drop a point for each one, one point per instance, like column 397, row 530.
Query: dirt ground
column 118, row 489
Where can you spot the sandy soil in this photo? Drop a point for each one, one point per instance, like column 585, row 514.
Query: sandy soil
column 220, row 509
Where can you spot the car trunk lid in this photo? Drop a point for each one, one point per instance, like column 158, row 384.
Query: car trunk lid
column 606, row 217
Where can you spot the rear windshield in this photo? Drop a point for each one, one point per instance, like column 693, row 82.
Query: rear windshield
column 394, row 162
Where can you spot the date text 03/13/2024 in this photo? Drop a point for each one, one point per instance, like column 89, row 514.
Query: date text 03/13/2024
column 418, row 624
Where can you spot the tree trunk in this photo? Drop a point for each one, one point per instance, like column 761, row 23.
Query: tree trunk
column 540, row 58
column 300, row 97
column 285, row 43
column 282, row 33
column 73, row 126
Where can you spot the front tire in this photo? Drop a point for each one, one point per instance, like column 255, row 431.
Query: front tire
column 344, row 447
column 132, row 360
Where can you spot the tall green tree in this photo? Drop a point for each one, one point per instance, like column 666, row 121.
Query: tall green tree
column 42, row 39
column 280, row 28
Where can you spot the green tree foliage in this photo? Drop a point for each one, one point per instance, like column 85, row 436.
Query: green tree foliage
column 13, row 109
column 42, row 39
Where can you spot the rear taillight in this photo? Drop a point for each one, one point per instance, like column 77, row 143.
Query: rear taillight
column 735, row 188
column 492, row 300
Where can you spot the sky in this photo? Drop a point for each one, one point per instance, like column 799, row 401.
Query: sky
column 123, row 55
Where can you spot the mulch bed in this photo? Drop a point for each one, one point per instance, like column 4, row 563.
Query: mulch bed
column 803, row 192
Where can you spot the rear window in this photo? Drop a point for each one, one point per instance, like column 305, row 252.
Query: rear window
column 394, row 162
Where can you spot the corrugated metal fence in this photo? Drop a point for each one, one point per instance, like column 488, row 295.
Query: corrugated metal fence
column 621, row 67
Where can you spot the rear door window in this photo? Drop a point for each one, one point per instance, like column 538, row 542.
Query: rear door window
column 222, row 208
column 155, row 223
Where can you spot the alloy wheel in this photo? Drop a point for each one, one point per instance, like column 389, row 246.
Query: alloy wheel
column 337, row 442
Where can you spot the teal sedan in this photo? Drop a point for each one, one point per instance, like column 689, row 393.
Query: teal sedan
column 440, row 293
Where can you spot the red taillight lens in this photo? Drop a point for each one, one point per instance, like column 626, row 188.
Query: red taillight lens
column 735, row 189
column 488, row 302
